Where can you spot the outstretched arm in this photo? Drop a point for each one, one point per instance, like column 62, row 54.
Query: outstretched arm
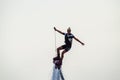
column 59, row 31
column 79, row 41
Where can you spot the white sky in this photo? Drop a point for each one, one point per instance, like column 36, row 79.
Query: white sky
column 27, row 40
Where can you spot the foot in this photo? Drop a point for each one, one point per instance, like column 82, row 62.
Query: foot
column 56, row 58
column 58, row 63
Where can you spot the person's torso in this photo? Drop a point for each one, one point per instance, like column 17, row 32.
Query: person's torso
column 68, row 39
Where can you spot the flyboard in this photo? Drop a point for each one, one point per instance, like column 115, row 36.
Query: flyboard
column 57, row 72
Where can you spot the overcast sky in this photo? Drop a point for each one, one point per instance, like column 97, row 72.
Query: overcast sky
column 27, row 39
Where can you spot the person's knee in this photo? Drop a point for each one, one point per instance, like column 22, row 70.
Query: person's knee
column 59, row 48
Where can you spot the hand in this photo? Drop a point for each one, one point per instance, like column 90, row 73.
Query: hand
column 82, row 43
column 55, row 29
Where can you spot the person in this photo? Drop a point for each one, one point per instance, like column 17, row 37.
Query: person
column 68, row 43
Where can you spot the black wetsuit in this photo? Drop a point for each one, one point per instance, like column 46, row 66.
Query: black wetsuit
column 68, row 41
